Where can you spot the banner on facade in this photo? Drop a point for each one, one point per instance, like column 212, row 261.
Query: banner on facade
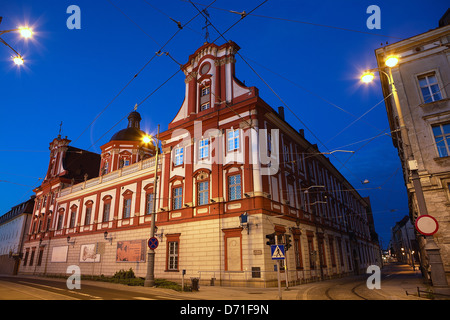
column 89, row 253
column 131, row 251
column 59, row 254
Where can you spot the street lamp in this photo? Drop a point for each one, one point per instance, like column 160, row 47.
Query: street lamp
column 150, row 277
column 438, row 276
column 25, row 33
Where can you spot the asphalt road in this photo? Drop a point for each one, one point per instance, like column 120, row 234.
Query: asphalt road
column 29, row 288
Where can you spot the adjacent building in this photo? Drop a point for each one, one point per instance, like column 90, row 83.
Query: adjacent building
column 231, row 173
column 403, row 244
column 422, row 78
column 14, row 226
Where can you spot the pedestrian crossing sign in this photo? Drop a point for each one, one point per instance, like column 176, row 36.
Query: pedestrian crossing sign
column 277, row 251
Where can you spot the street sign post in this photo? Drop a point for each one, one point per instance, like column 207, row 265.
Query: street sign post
column 153, row 243
column 277, row 251
column 427, row 225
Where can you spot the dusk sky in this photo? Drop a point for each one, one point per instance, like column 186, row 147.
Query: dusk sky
column 304, row 55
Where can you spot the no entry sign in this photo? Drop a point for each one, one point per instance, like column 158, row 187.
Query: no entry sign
column 427, row 225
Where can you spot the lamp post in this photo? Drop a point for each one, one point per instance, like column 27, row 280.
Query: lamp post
column 25, row 32
column 437, row 273
column 150, row 277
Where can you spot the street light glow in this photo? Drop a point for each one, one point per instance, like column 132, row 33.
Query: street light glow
column 18, row 60
column 367, row 77
column 391, row 61
column 146, row 139
column 26, row 32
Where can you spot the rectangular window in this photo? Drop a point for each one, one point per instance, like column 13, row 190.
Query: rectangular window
column 286, row 154
column 73, row 215
column 205, row 106
column 149, row 203
column 25, row 260
column 203, row 193
column 60, row 221
column 106, row 209
column 173, row 255
column 87, row 218
column 177, row 198
column 203, row 149
column 298, row 253
column 126, row 208
column 429, row 88
column 41, row 253
column 441, row 134
column 179, row 156
column 205, row 91
column 234, row 187
column 233, row 140
column 33, row 251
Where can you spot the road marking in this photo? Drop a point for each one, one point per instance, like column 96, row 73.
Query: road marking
column 64, row 290
column 143, row 298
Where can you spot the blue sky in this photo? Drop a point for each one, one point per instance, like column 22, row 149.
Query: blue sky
column 299, row 49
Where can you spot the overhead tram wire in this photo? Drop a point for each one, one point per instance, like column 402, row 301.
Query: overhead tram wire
column 271, row 89
column 315, row 94
column 296, row 21
column 140, row 70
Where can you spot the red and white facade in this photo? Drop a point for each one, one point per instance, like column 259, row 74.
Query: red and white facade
column 230, row 172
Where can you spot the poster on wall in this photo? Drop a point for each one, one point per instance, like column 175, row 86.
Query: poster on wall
column 59, row 254
column 131, row 251
column 89, row 253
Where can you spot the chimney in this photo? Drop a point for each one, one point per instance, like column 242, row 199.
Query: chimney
column 281, row 112
column 302, row 132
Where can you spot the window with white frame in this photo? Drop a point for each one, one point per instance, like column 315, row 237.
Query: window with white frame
column 149, row 203
column 233, row 140
column 205, row 91
column 177, row 198
column 126, row 208
column 234, row 187
column 173, row 255
column 179, row 156
column 87, row 217
column 203, row 151
column 429, row 87
column 203, row 192
column 205, row 106
column 441, row 134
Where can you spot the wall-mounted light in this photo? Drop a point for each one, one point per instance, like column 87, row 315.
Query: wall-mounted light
column 244, row 221
column 105, row 235
column 70, row 242
column 159, row 235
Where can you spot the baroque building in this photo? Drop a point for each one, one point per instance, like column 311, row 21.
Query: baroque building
column 230, row 172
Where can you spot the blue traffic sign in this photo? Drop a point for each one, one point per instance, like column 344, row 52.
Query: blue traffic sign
column 153, row 243
column 277, row 252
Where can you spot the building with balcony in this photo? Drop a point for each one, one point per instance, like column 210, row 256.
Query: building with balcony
column 230, row 171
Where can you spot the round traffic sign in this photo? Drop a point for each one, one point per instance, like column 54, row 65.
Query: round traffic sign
column 427, row 225
column 153, row 243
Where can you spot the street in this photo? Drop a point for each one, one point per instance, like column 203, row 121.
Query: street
column 395, row 281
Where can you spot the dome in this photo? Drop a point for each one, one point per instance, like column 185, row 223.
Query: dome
column 133, row 131
column 128, row 134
